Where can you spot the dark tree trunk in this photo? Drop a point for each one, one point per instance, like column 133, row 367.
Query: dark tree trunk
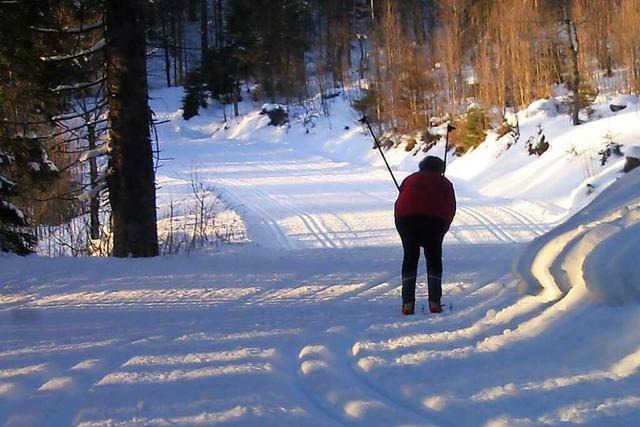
column 173, row 27
column 219, row 23
column 180, row 60
column 192, row 10
column 131, row 180
column 165, row 47
column 204, row 30
column 362, row 60
column 236, row 98
column 94, row 203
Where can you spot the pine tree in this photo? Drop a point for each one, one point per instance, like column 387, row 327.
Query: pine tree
column 273, row 37
column 15, row 235
column 24, row 105
column 131, row 179
column 194, row 96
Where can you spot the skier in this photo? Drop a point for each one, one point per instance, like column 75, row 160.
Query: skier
column 423, row 213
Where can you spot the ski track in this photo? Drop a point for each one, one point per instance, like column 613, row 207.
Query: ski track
column 333, row 377
column 280, row 204
column 524, row 220
column 292, row 173
column 339, row 367
column 323, row 371
column 487, row 223
column 310, row 400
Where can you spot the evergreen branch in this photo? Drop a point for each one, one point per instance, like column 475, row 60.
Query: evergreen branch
column 57, row 134
column 78, row 86
column 101, row 45
column 79, row 30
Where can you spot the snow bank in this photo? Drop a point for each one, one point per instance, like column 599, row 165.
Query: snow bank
column 547, row 107
column 596, row 250
column 569, row 174
column 624, row 101
column 633, row 151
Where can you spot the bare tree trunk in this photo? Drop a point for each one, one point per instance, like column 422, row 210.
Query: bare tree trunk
column 204, row 30
column 219, row 23
column 236, row 98
column 165, row 47
column 131, row 180
column 94, row 203
column 180, row 60
column 173, row 26
column 362, row 57
column 572, row 44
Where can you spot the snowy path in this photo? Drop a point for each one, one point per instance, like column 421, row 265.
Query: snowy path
column 303, row 327
column 160, row 346
column 296, row 200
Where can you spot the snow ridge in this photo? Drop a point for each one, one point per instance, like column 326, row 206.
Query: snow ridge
column 594, row 251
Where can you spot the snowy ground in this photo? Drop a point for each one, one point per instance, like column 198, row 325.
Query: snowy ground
column 302, row 326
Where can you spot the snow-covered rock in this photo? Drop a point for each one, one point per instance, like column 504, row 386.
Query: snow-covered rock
column 632, row 151
column 621, row 102
column 333, row 92
column 278, row 114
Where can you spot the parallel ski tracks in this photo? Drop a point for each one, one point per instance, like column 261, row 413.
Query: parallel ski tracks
column 487, row 223
column 319, row 232
column 326, row 235
column 325, row 376
column 521, row 218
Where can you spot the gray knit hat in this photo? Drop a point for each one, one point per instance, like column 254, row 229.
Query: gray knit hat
column 432, row 164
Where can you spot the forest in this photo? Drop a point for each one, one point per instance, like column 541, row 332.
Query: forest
column 77, row 145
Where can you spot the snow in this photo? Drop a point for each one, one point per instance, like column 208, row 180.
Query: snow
column 633, row 151
column 542, row 106
column 43, row 162
column 591, row 253
column 92, row 154
column 16, row 211
column 75, row 114
column 625, row 100
column 5, row 183
column 76, row 86
column 92, row 192
column 33, row 166
column 299, row 324
column 269, row 107
column 74, row 30
column 101, row 44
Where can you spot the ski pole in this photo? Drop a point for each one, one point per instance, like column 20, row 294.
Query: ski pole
column 364, row 120
column 446, row 145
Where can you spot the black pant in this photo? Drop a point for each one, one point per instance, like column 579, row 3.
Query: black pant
column 421, row 231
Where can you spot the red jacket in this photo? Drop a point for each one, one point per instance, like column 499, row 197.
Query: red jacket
column 426, row 193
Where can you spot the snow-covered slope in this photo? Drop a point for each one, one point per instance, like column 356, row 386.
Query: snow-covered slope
column 596, row 251
column 569, row 173
column 301, row 326
column 324, row 187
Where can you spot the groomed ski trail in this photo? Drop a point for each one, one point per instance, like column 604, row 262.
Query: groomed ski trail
column 302, row 325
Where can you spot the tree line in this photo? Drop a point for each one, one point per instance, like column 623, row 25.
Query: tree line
column 419, row 59
column 75, row 122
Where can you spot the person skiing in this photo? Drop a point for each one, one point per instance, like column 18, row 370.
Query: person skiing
column 423, row 214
